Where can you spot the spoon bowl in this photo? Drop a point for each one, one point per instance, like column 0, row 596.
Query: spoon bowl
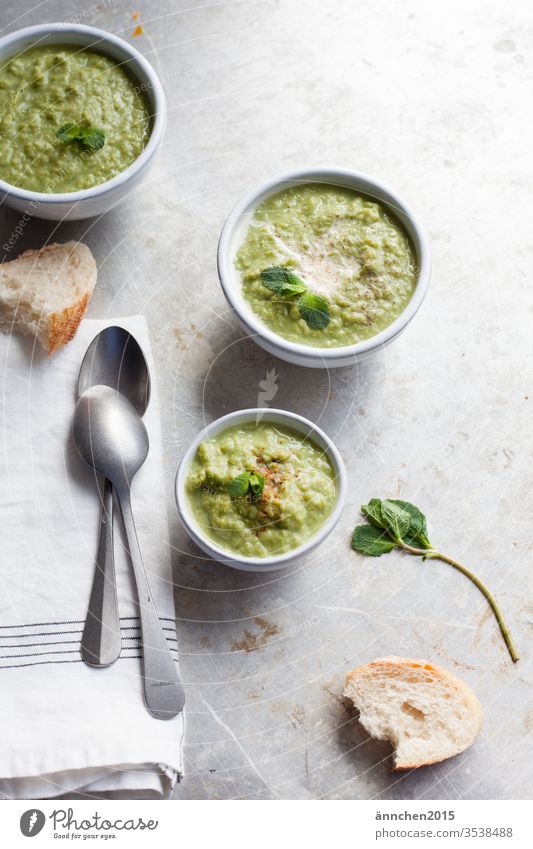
column 114, row 358
column 110, row 435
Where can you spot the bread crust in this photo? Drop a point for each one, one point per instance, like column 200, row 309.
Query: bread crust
column 64, row 324
column 394, row 666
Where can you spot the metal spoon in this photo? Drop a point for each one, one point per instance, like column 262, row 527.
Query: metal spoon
column 110, row 436
column 114, row 358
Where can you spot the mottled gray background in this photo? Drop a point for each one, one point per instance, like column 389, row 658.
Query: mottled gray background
column 434, row 99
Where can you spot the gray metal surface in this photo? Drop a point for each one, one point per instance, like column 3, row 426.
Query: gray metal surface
column 431, row 98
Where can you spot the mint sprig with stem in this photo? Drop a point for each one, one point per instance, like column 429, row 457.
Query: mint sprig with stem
column 89, row 137
column 393, row 523
column 247, row 481
column 314, row 309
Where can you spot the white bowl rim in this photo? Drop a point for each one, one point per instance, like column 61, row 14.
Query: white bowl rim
column 159, row 118
column 274, row 561
column 334, row 176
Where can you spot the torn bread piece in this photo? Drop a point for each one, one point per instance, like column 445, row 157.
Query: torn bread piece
column 46, row 292
column 424, row 711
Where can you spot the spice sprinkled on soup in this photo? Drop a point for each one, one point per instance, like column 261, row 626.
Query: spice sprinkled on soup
column 260, row 489
column 326, row 266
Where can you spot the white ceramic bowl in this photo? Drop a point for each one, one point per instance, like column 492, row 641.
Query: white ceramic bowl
column 260, row 564
column 233, row 234
column 72, row 206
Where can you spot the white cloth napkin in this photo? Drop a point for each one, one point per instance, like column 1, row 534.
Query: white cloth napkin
column 64, row 727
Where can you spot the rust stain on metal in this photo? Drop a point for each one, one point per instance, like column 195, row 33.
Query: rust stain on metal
column 483, row 619
column 257, row 640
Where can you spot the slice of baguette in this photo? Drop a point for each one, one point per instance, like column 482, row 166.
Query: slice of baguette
column 424, row 711
column 46, row 292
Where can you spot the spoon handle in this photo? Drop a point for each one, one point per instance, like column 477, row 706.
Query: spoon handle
column 163, row 691
column 100, row 642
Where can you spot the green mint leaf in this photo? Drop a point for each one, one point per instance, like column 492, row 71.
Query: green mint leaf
column 247, row 481
column 314, row 310
column 257, row 484
column 397, row 520
column 371, row 540
column 418, row 531
column 372, row 511
column 408, row 527
column 68, row 132
column 239, row 485
column 282, row 281
column 92, row 137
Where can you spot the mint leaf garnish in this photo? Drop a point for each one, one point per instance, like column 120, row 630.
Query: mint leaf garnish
column 68, row 132
column 393, row 523
column 314, row 310
column 93, row 138
column 248, row 481
column 417, row 523
column 371, row 540
column 257, row 484
column 282, row 281
column 239, row 485
column 396, row 519
column 90, row 137
column 372, row 511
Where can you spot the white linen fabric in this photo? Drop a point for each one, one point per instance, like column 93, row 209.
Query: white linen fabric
column 66, row 727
